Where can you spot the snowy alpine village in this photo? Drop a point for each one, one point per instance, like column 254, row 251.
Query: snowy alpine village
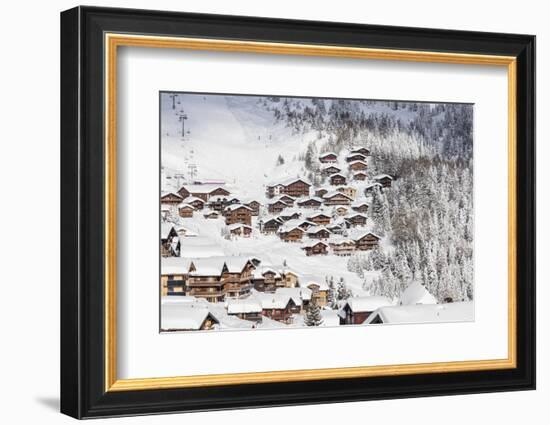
column 282, row 212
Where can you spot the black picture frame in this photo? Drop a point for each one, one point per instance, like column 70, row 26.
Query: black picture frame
column 83, row 392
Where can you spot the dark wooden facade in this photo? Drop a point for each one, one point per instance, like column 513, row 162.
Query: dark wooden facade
column 238, row 214
column 320, row 219
column 356, row 157
column 320, row 248
column 310, row 203
column 254, row 207
column 361, row 208
column 171, row 199
column 338, row 199
column 356, row 220
column 360, row 176
column 271, row 225
column 276, row 207
column 358, row 166
column 328, row 158
column 331, row 169
column 367, row 242
column 337, row 180
column 186, row 211
column 385, row 181
column 292, row 235
column 318, row 234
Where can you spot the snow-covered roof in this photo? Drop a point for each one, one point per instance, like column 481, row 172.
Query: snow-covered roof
column 352, row 154
column 289, row 181
column 425, row 313
column 316, row 229
column 174, row 265
column 185, row 205
column 310, row 198
column 236, row 226
column 305, row 280
column 337, row 175
column 356, row 173
column 358, row 161
column 163, row 194
column 354, row 149
column 363, row 234
column 327, row 154
column 383, row 176
column 247, row 305
column 318, row 214
column 367, row 303
column 369, row 185
column 417, row 294
column 236, row 207
column 339, row 240
column 203, row 188
column 190, row 199
column 332, row 194
column 360, row 203
column 218, row 198
column 272, row 301
column 352, row 215
column 184, row 317
column 287, row 227
column 208, row 266
column 314, row 243
column 297, row 294
column 327, row 167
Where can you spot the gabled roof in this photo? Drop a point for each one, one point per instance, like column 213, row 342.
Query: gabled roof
column 297, row 294
column 332, row 194
column 202, row 188
column 288, row 228
column 190, row 199
column 416, row 293
column 317, row 214
column 185, row 317
column 164, row 194
column 236, row 226
column 337, row 175
column 327, row 167
column 355, row 154
column 310, row 198
column 358, row 162
column 425, row 313
column 327, row 154
column 289, row 181
column 383, row 176
column 313, row 244
column 317, row 229
column 174, row 265
column 367, row 304
column 207, row 266
column 248, row 305
column 362, row 235
column 185, row 205
column 306, row 280
column 236, row 207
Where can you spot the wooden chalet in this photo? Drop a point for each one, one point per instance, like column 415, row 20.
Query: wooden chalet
column 358, row 309
column 278, row 307
column 204, row 279
column 291, row 234
column 318, row 232
column 203, row 191
column 197, row 203
column 238, row 214
column 342, row 247
column 276, row 207
column 355, row 157
column 360, row 176
column 287, row 199
column 337, row 179
column 169, row 241
column 337, row 198
column 329, row 170
column 358, row 166
column 271, row 225
column 356, row 219
column 316, row 248
column 290, row 215
column 361, row 150
column 367, row 241
column 311, row 202
column 290, row 278
column 173, row 277
column 187, row 318
column 245, row 309
column 320, row 218
column 239, row 229
column 328, row 158
column 335, row 228
column 349, row 191
column 384, row 179
column 236, row 277
column 254, row 207
column 170, row 198
column 319, row 289
column 360, row 207
column 186, row 210
column 293, row 187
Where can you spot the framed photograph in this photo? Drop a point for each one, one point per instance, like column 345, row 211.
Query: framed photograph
column 261, row 212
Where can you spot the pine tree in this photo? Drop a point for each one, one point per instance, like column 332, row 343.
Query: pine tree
column 313, row 315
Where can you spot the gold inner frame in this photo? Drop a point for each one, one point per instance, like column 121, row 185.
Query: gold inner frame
column 113, row 41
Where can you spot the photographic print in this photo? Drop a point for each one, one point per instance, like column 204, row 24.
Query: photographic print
column 289, row 212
